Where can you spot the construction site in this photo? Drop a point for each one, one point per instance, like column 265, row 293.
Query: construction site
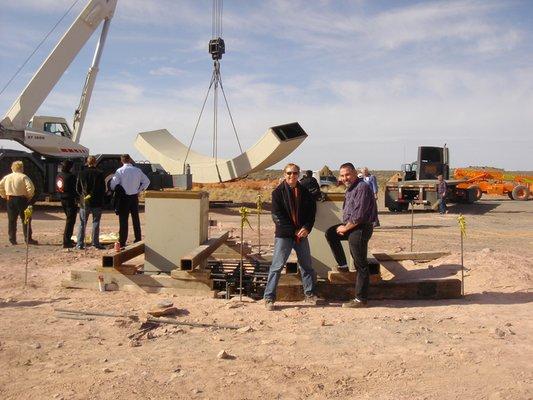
column 183, row 312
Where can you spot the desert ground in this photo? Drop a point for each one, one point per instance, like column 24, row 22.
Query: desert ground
column 476, row 347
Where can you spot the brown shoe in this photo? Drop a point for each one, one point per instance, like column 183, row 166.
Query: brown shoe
column 355, row 303
column 269, row 305
column 342, row 269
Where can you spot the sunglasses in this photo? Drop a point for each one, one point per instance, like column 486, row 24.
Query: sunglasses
column 292, row 173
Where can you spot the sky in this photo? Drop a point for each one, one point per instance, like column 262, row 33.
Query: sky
column 368, row 80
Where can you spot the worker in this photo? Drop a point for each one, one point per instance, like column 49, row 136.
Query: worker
column 18, row 190
column 442, row 189
column 371, row 181
column 66, row 186
column 358, row 214
column 91, row 190
column 133, row 181
column 310, row 183
column 293, row 213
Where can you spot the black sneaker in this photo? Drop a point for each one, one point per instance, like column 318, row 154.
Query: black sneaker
column 99, row 247
column 13, row 242
column 32, row 241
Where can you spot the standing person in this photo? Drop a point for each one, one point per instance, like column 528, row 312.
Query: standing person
column 358, row 214
column 91, row 191
column 66, row 186
column 18, row 190
column 293, row 213
column 133, row 181
column 310, row 183
column 442, row 188
column 371, row 181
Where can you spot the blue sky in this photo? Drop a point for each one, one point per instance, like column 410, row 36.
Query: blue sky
column 368, row 80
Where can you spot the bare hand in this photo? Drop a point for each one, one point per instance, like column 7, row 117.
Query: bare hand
column 302, row 233
column 341, row 230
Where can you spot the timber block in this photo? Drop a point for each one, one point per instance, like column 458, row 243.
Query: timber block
column 194, row 275
column 335, row 277
column 395, row 290
column 290, row 288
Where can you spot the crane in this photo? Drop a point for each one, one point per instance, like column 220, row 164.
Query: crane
column 51, row 139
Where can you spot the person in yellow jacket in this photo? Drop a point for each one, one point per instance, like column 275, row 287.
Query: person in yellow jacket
column 18, row 190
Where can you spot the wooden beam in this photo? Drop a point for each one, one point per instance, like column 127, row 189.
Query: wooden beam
column 115, row 259
column 195, row 257
column 415, row 256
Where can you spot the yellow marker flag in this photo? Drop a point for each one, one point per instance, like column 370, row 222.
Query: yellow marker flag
column 244, row 217
column 462, row 224
column 27, row 214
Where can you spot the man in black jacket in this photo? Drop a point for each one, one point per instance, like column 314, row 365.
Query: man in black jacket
column 91, row 189
column 66, row 186
column 311, row 184
column 293, row 212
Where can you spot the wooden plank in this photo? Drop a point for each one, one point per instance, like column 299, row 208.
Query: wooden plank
column 140, row 280
column 114, row 259
column 126, row 269
column 143, row 289
column 418, row 256
column 196, row 256
column 335, row 277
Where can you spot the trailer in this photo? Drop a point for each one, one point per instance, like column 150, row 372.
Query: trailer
column 417, row 183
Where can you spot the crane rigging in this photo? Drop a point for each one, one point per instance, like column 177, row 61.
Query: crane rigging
column 216, row 47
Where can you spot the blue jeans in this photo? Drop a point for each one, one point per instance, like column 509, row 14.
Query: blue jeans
column 84, row 218
column 442, row 205
column 282, row 251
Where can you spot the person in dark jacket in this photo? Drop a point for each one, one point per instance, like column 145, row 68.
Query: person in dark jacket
column 91, row 189
column 358, row 215
column 293, row 212
column 311, row 184
column 66, row 186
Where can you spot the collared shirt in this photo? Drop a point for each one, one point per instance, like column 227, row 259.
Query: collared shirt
column 371, row 181
column 131, row 178
column 16, row 184
column 442, row 188
column 359, row 204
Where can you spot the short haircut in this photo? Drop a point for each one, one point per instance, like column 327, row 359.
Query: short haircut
column 67, row 165
column 17, row 166
column 91, row 161
column 125, row 158
column 309, row 173
column 291, row 165
column 347, row 165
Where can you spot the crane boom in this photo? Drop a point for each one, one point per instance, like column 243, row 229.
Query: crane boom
column 44, row 80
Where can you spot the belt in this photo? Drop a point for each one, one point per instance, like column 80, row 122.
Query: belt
column 9, row 197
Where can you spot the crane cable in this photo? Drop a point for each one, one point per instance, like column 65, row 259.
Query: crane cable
column 216, row 80
column 38, row 46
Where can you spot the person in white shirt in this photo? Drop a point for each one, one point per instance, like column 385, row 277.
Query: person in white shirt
column 133, row 181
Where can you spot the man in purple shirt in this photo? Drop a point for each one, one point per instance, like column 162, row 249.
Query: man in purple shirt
column 358, row 214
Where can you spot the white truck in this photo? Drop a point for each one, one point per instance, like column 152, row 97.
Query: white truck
column 50, row 139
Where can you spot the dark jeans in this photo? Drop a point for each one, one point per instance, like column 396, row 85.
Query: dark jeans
column 15, row 208
column 71, row 211
column 358, row 242
column 129, row 204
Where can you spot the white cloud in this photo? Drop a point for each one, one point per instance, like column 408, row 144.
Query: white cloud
column 166, row 71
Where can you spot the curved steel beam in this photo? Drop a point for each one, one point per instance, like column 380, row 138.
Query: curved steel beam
column 278, row 142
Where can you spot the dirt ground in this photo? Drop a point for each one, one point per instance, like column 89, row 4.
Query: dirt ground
column 478, row 347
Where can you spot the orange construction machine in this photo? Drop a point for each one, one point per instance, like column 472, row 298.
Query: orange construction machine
column 517, row 187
